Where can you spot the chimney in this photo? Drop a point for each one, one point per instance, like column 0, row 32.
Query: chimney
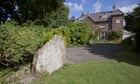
column 88, row 13
column 72, row 18
column 113, row 7
column 82, row 14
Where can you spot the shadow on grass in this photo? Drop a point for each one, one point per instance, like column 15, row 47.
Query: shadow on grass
column 115, row 51
column 128, row 55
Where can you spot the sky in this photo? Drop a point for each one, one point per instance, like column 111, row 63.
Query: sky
column 76, row 7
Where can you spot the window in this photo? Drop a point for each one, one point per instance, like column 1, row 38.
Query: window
column 81, row 18
column 102, row 25
column 118, row 21
column 104, row 16
column 102, row 36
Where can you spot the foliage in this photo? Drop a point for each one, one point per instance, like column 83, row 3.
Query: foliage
column 14, row 76
column 128, row 41
column 79, row 33
column 4, row 73
column 132, row 24
column 56, row 18
column 96, row 34
column 51, row 12
column 74, row 34
column 114, row 35
column 18, row 44
column 6, row 8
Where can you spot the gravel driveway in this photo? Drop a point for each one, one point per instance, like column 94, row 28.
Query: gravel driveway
column 91, row 52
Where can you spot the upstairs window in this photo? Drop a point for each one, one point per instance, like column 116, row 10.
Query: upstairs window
column 81, row 18
column 102, row 26
column 118, row 21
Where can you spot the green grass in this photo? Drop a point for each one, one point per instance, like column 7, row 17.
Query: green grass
column 98, row 72
column 103, row 41
column 124, row 68
column 128, row 55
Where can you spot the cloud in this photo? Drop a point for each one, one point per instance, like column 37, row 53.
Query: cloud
column 74, row 6
column 97, row 6
column 129, row 8
column 83, row 1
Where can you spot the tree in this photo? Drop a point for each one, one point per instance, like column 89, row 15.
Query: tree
column 6, row 9
column 57, row 17
column 133, row 24
column 34, row 10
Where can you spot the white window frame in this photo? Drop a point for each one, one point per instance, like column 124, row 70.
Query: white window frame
column 102, row 26
column 118, row 21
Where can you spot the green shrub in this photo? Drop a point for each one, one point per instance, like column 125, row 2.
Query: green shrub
column 114, row 35
column 128, row 41
column 79, row 34
column 95, row 34
column 74, row 34
column 18, row 44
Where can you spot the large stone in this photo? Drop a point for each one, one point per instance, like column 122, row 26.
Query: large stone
column 50, row 57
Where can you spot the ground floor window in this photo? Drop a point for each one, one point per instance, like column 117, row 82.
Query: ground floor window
column 102, row 36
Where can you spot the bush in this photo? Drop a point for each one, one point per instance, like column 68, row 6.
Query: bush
column 137, row 40
column 79, row 34
column 18, row 44
column 128, row 41
column 95, row 35
column 74, row 34
column 114, row 35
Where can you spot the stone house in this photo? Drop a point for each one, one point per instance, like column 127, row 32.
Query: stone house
column 104, row 21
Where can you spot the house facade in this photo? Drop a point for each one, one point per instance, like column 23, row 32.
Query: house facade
column 104, row 21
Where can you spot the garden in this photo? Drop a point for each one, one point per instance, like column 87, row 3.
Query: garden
column 19, row 43
column 36, row 22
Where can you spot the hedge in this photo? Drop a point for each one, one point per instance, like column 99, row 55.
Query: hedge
column 114, row 35
column 74, row 34
column 19, row 43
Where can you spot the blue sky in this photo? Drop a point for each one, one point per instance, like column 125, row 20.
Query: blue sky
column 93, row 6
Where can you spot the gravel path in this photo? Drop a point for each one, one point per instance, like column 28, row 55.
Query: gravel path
column 91, row 52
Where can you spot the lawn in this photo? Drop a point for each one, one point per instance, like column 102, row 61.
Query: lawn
column 103, row 41
column 124, row 68
column 128, row 55
column 97, row 72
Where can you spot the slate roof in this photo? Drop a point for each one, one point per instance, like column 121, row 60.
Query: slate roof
column 102, row 16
